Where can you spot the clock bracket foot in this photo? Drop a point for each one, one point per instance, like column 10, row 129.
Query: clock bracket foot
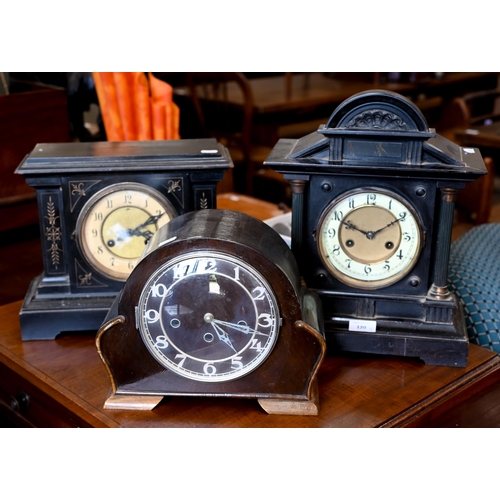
column 132, row 402
column 275, row 406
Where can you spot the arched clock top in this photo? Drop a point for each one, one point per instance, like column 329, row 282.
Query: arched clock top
column 377, row 126
column 378, row 110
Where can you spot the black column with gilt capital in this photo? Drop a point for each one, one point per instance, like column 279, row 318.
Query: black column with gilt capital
column 439, row 288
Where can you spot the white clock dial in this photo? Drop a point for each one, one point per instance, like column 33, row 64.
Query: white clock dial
column 116, row 224
column 369, row 238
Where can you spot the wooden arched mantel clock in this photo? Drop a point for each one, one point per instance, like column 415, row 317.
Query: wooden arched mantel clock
column 214, row 308
column 372, row 215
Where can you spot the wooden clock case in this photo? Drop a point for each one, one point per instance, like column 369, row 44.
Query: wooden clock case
column 284, row 383
column 69, row 295
column 379, row 139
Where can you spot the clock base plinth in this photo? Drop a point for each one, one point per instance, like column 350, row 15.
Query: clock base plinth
column 435, row 344
column 45, row 317
column 292, row 407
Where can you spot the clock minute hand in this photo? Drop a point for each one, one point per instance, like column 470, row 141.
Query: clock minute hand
column 388, row 225
column 240, row 328
column 152, row 219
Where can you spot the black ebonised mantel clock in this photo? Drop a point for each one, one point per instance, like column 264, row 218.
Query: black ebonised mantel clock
column 215, row 307
column 372, row 214
column 99, row 204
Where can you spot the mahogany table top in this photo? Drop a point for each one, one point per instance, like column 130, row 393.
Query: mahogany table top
column 354, row 390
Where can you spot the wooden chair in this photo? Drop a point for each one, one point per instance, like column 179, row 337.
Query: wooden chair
column 224, row 106
column 476, row 108
column 474, row 203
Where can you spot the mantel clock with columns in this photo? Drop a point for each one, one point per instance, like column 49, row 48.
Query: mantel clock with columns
column 372, row 215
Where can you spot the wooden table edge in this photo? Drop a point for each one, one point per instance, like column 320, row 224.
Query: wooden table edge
column 451, row 395
column 74, row 403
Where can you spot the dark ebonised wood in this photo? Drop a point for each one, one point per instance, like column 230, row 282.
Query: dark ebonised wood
column 380, row 140
column 70, row 295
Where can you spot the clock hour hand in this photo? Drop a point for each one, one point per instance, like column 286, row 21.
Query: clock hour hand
column 350, row 225
column 223, row 335
column 147, row 234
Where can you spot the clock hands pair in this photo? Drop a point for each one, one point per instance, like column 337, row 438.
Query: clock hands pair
column 152, row 219
column 137, row 231
column 371, row 234
column 223, row 335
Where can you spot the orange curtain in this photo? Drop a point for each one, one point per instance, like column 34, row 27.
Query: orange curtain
column 136, row 107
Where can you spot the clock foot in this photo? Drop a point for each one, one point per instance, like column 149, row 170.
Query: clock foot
column 292, row 407
column 132, row 402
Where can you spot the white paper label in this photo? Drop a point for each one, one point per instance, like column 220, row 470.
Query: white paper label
column 357, row 325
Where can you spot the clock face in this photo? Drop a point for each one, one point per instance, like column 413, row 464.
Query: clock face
column 369, row 238
column 208, row 316
column 116, row 224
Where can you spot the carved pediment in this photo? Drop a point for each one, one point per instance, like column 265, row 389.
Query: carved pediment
column 377, row 110
column 378, row 119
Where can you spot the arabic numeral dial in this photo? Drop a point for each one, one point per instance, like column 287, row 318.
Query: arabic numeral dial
column 208, row 317
column 115, row 225
column 369, row 238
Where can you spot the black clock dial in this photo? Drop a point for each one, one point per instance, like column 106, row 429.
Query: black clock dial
column 208, row 317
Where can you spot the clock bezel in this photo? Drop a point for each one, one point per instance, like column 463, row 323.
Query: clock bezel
column 164, row 360
column 81, row 240
column 356, row 282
